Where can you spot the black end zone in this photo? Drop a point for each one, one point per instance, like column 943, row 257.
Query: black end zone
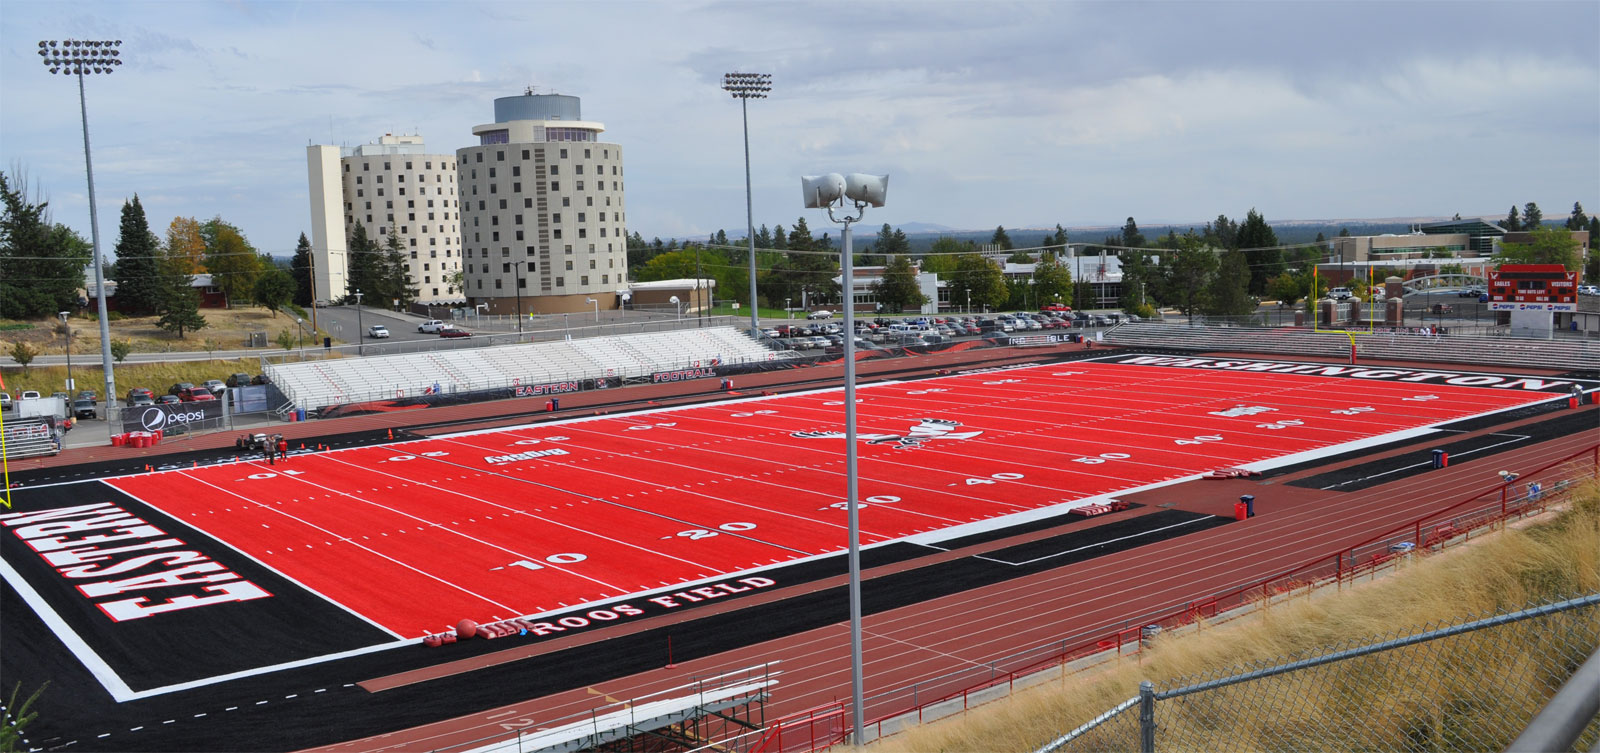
column 150, row 650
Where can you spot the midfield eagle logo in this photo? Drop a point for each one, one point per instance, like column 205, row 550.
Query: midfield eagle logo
column 927, row 430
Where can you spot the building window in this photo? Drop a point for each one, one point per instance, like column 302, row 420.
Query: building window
column 591, row 263
column 491, row 172
column 479, row 156
column 580, row 186
column 563, row 154
column 505, row 252
column 583, row 232
column 497, row 284
column 358, row 180
column 494, row 188
column 555, row 186
column 500, row 155
column 569, row 248
column 566, row 201
column 516, row 170
column 530, row 264
column 582, row 217
column 561, row 282
column 516, row 188
column 556, row 233
column 584, row 280
column 524, row 154
column 555, row 169
column 527, row 203
column 605, row 279
column 519, row 235
column 505, row 269
column 569, row 266
column 480, row 284
column 579, row 169
column 366, row 167
column 502, row 203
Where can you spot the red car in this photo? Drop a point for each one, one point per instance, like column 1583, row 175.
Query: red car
column 1055, row 307
column 454, row 333
column 196, row 395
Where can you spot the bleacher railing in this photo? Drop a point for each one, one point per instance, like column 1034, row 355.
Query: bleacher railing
column 1491, row 507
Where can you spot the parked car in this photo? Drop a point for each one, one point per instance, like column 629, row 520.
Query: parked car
column 143, row 399
column 215, row 387
column 1472, row 292
column 1589, row 290
column 1340, row 294
column 29, row 395
column 1442, row 308
column 823, row 314
column 83, row 409
column 196, row 395
column 180, row 388
column 433, row 325
column 5, row 401
column 138, row 392
column 1055, row 307
column 168, row 400
column 378, row 331
column 237, row 380
column 88, row 395
column 261, row 379
column 453, row 332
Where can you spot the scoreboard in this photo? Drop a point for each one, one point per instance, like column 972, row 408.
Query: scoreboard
column 1533, row 287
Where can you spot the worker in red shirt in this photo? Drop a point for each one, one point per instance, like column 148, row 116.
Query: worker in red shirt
column 283, row 448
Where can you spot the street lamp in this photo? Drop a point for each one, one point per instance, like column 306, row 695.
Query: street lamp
column 678, row 306
column 361, row 334
column 79, row 57
column 745, row 87
column 969, row 301
column 596, row 305
column 66, row 331
column 787, row 310
column 827, row 192
column 300, row 326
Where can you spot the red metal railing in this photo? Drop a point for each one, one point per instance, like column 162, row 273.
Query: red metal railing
column 829, row 724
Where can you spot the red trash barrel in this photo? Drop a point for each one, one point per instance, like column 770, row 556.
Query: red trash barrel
column 1240, row 512
column 118, row 439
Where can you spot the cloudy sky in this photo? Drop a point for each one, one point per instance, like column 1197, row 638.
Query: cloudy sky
column 1023, row 114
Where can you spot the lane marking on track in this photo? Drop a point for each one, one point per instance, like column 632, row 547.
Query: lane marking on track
column 1094, row 545
column 924, row 648
column 1516, row 438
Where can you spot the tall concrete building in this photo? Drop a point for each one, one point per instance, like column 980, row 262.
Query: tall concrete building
column 395, row 187
column 542, row 215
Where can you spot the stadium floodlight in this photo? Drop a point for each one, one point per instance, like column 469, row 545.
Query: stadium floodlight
column 78, row 57
column 745, row 87
column 596, row 305
column 829, row 191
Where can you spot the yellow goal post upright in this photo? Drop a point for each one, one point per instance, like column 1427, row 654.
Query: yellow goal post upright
column 1350, row 332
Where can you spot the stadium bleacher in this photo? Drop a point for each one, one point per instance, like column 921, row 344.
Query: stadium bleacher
column 1484, row 351
column 317, row 384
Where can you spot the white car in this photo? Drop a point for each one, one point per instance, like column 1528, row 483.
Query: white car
column 378, row 331
column 1340, row 294
column 432, row 325
column 29, row 395
column 824, row 314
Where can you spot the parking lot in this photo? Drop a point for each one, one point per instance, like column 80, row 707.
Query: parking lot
column 875, row 332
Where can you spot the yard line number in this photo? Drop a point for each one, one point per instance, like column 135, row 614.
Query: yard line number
column 695, row 534
column 1354, row 410
column 563, row 558
column 1202, row 439
column 1102, row 457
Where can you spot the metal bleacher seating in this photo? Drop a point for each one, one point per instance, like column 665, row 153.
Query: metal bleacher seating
column 317, row 384
column 1499, row 351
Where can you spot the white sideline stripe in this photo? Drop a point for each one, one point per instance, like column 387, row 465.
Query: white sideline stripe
column 91, row 660
column 648, row 410
column 1091, row 546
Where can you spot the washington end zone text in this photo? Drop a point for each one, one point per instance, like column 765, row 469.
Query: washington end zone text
column 116, row 555
column 1459, row 379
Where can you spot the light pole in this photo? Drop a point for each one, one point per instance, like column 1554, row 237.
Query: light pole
column 745, row 87
column 565, row 329
column 78, row 57
column 786, row 310
column 827, row 192
column 361, row 334
column 596, row 305
column 66, row 331
column 969, row 301
column 678, row 306
column 300, row 326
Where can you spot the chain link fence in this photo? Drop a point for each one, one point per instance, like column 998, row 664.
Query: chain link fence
column 1471, row 686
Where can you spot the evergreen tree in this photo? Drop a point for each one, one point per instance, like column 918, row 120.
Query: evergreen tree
column 1264, row 262
column 1578, row 220
column 1228, row 293
column 180, row 301
column 763, row 237
column 1138, row 274
column 1223, row 233
column 1001, row 239
column 1131, row 237
column 397, row 282
column 1320, row 239
column 1020, row 257
column 1591, row 267
column 941, row 257
column 138, row 262
column 366, row 264
column 1052, row 281
column 896, row 290
column 1513, row 221
column 41, row 264
column 300, row 272
column 720, row 239
column 1188, row 272
column 1532, row 218
column 1344, row 232
column 780, row 240
column 230, row 259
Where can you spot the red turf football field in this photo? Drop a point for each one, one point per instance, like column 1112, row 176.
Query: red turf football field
column 417, row 535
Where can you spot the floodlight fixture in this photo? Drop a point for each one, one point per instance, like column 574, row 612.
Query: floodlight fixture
column 866, row 189
column 822, row 191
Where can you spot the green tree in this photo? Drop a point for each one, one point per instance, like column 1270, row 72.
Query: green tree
column 138, row 262
column 231, row 260
column 1000, row 238
column 1139, row 280
column 1223, row 233
column 1532, row 218
column 763, row 237
column 897, row 289
column 1547, row 245
column 23, row 353
column 1513, row 221
column 1591, row 267
column 286, row 339
column 1263, row 261
column 1228, row 293
column 1131, row 237
column 179, row 304
column 941, row 256
column 809, row 273
column 41, row 264
column 780, row 239
column 273, row 289
column 300, row 272
column 1052, row 281
column 397, row 284
column 980, row 278
column 120, row 349
column 1578, row 220
column 365, row 264
column 1020, row 257
column 1188, row 273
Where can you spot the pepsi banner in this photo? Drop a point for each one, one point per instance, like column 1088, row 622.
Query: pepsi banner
column 171, row 419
